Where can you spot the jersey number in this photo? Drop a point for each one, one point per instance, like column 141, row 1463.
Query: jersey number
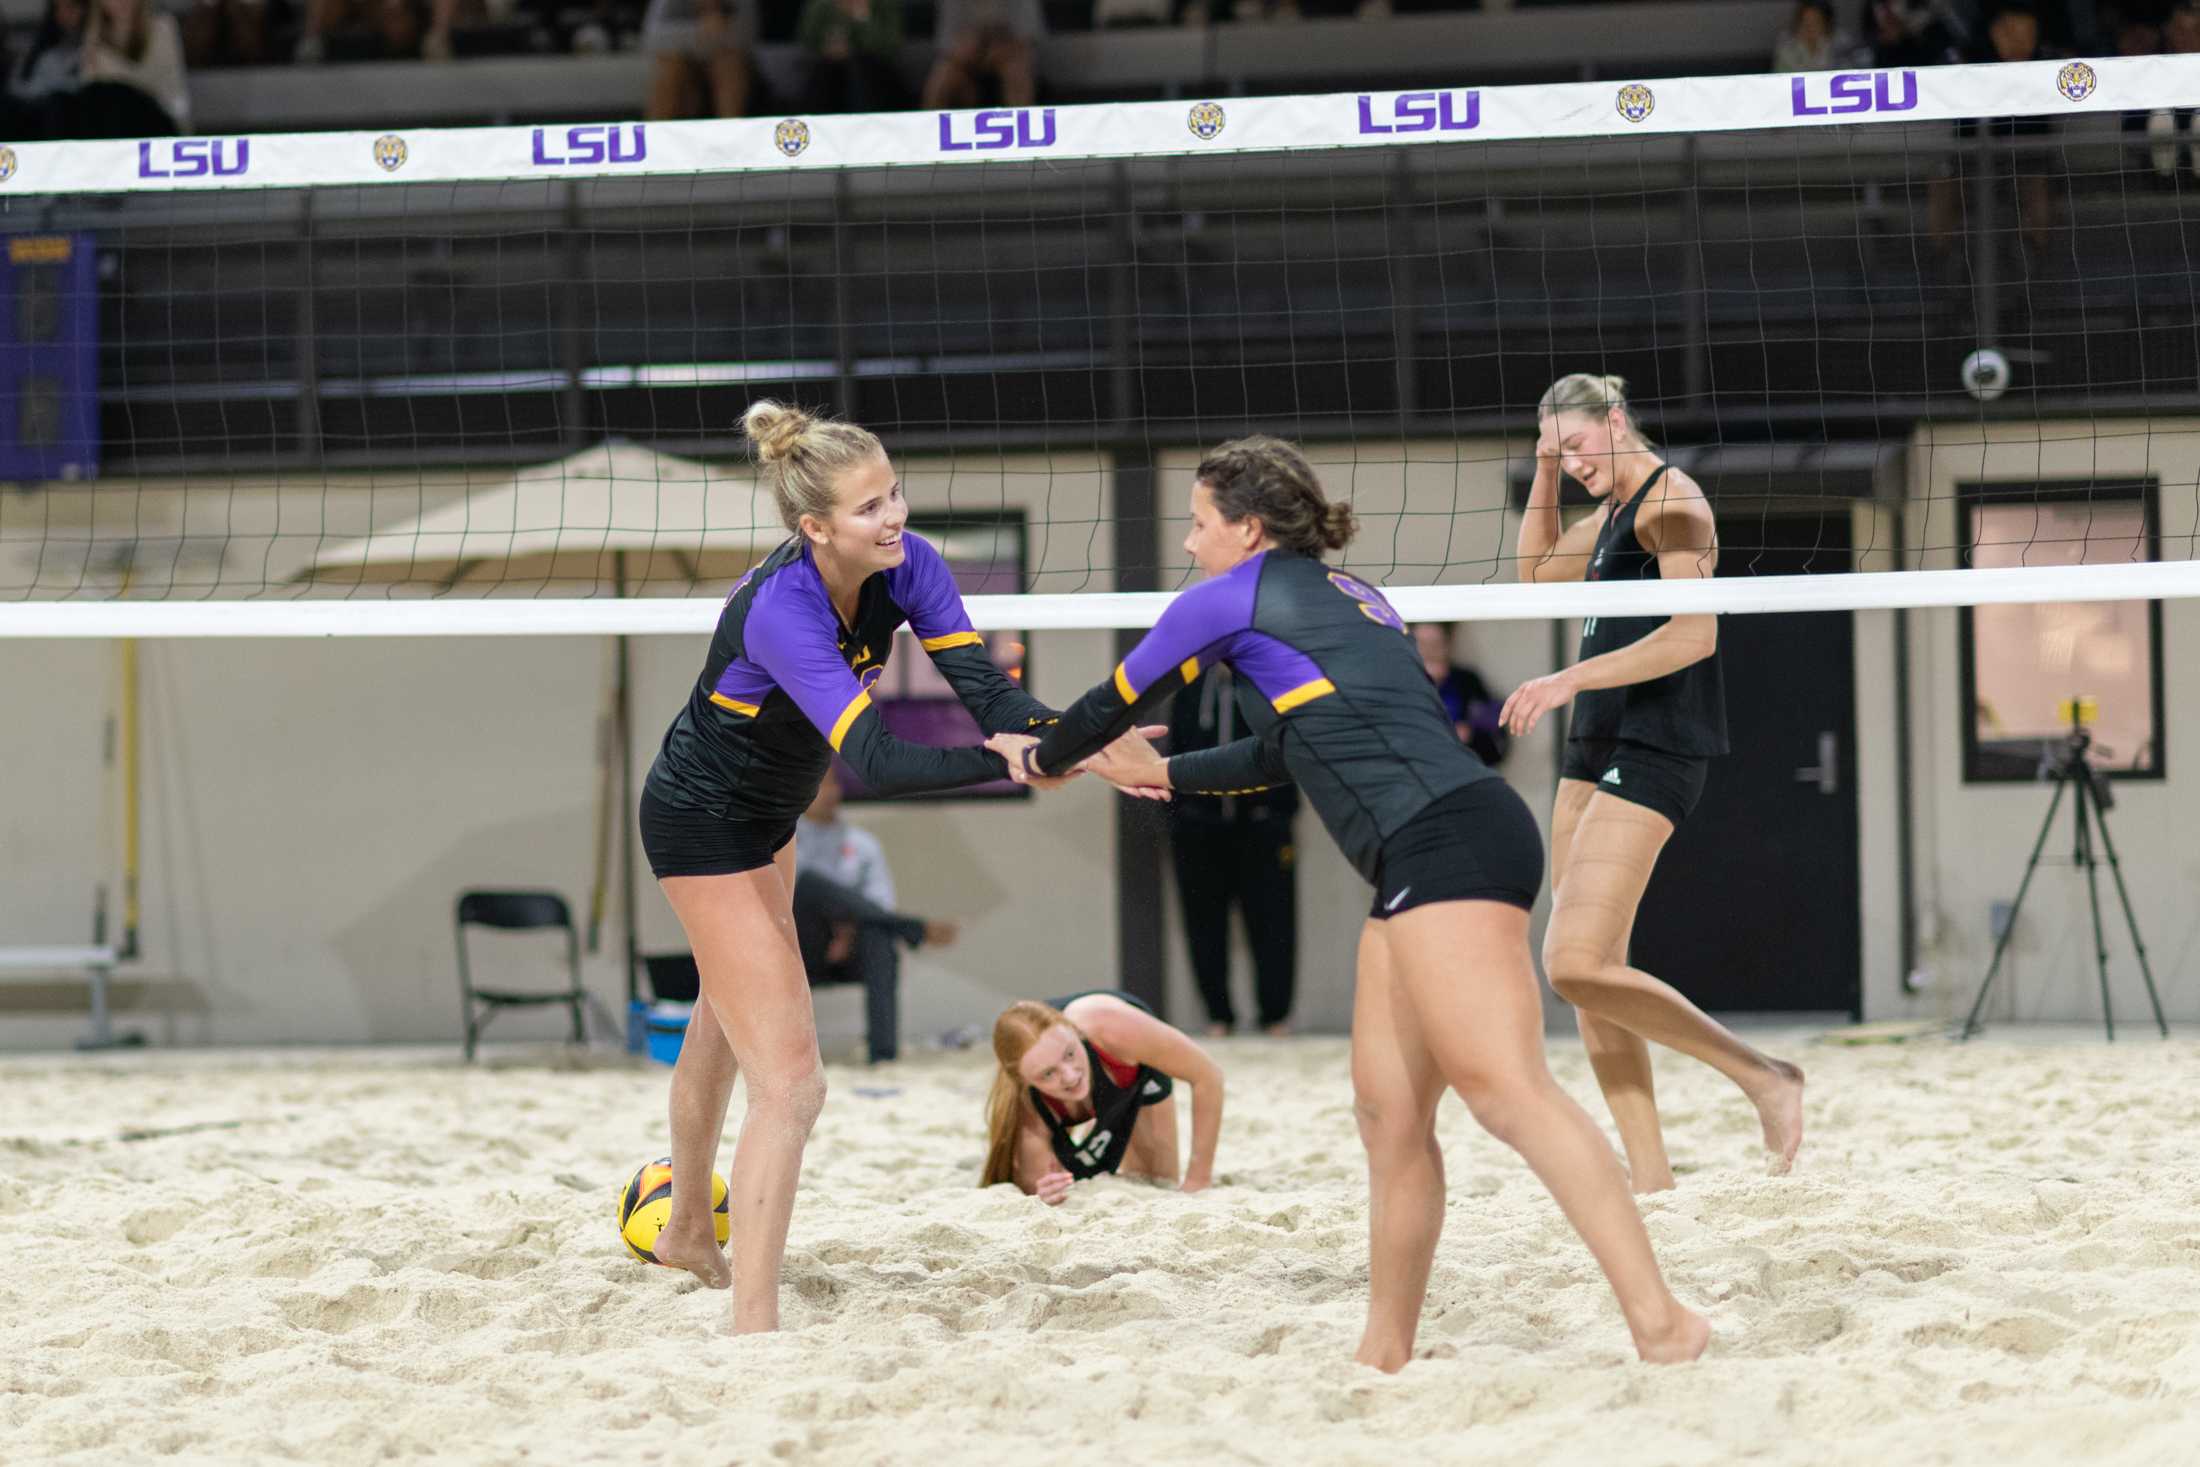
column 1371, row 602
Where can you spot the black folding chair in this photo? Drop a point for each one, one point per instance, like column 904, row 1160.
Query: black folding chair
column 517, row 911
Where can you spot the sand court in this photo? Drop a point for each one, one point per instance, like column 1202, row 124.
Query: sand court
column 1989, row 1254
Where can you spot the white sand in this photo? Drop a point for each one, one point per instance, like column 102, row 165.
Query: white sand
column 1989, row 1255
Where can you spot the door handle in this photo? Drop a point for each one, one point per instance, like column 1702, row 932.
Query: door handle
column 1826, row 773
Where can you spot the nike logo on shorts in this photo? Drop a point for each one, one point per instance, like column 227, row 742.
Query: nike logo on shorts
column 1392, row 904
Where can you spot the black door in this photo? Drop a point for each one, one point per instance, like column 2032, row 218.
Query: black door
column 1754, row 905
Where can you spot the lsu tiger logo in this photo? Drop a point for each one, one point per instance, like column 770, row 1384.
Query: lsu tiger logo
column 1636, row 102
column 390, row 152
column 1206, row 121
column 792, row 137
column 2077, row 81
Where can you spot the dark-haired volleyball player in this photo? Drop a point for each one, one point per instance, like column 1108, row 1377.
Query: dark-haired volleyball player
column 1649, row 712
column 1447, row 991
column 785, row 685
column 1103, row 1058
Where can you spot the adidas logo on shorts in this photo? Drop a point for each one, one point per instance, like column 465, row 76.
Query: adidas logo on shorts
column 1611, row 776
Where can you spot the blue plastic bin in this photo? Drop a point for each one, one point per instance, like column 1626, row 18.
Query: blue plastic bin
column 658, row 1029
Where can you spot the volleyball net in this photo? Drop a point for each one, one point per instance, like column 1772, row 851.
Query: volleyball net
column 1926, row 337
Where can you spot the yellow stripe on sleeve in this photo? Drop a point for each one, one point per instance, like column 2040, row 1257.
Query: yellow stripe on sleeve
column 746, row 710
column 848, row 716
column 1189, row 667
column 1320, row 687
column 1123, row 686
column 952, row 639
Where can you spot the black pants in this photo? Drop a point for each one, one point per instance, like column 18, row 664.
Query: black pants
column 1251, row 864
column 820, row 905
column 859, row 84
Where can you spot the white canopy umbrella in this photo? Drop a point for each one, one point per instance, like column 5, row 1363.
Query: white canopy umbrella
column 615, row 514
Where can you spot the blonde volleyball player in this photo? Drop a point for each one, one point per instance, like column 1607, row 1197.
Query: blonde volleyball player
column 1649, row 713
column 1105, row 1058
column 784, row 685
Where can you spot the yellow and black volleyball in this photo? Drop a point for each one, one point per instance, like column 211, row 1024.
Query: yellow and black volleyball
column 645, row 1203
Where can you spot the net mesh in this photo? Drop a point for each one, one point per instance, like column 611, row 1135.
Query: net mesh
column 1872, row 344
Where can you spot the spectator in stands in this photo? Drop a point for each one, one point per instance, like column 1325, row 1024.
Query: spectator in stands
column 2169, row 131
column 981, row 40
column 132, row 73
column 392, row 25
column 844, row 917
column 1467, row 700
column 1906, row 33
column 225, row 33
column 699, row 54
column 1809, row 43
column 2013, row 34
column 851, row 46
column 44, row 79
column 446, row 16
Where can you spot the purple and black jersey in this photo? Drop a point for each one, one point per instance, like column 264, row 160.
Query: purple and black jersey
column 1350, row 718
column 787, row 685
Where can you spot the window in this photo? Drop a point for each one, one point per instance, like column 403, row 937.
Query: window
column 986, row 555
column 2023, row 665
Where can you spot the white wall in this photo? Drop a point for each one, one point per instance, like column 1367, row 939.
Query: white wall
column 1972, row 839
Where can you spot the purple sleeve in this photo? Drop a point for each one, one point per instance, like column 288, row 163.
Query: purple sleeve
column 1202, row 616
column 925, row 590
column 798, row 652
column 787, row 636
column 1198, row 623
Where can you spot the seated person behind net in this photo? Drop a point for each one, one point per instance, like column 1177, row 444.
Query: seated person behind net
column 850, row 46
column 980, row 39
column 844, row 917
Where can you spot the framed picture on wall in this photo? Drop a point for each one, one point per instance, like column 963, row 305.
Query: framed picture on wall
column 986, row 554
column 2022, row 665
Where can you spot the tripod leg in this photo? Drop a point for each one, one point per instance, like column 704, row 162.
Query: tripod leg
column 2001, row 945
column 2093, row 899
column 2131, row 920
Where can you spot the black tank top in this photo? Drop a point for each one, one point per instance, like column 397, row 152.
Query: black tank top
column 1683, row 712
column 1114, row 1111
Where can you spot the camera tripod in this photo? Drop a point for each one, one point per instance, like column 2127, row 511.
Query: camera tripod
column 2091, row 797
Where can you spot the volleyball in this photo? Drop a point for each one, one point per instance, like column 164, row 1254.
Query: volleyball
column 1986, row 374
column 645, row 1203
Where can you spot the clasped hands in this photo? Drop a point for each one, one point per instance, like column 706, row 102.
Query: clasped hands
column 1131, row 763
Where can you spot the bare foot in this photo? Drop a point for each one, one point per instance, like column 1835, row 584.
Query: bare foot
column 1389, row 1359
column 698, row 1253
column 1646, row 1182
column 1218, row 1031
column 1780, row 1107
column 1281, row 1029
column 1679, row 1342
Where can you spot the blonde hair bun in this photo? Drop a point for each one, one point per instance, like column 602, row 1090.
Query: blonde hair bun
column 775, row 428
